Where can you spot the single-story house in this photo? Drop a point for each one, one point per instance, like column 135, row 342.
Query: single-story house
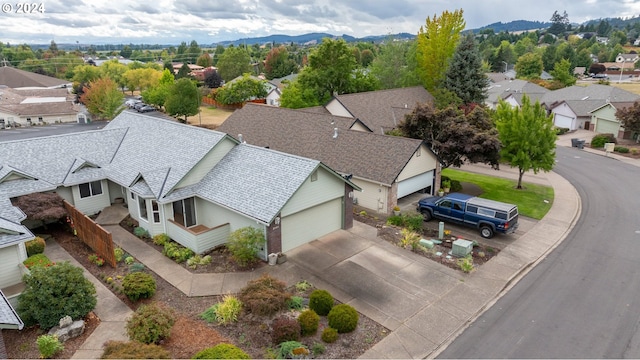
column 381, row 110
column 574, row 114
column 19, row 79
column 273, row 92
column 512, row 92
column 37, row 106
column 385, row 167
column 604, row 120
column 194, row 184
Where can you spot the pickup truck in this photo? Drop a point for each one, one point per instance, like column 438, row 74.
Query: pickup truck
column 488, row 216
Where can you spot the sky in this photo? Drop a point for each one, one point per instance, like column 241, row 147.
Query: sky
column 211, row 21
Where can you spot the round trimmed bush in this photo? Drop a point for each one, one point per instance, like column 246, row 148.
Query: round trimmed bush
column 285, row 329
column 309, row 321
column 599, row 140
column 35, row 246
column 222, row 351
column 138, row 285
column 329, row 335
column 133, row 350
column 343, row 318
column 320, row 301
column 264, row 296
column 150, row 324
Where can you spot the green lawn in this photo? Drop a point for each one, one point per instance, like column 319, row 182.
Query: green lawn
column 530, row 200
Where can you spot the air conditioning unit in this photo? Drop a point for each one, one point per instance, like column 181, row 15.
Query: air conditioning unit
column 461, row 248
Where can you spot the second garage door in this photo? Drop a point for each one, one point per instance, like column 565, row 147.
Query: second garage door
column 607, row 127
column 310, row 224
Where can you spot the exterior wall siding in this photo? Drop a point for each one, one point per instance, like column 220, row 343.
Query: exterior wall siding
column 373, row 195
column 207, row 163
column 335, row 108
column 48, row 119
column 311, row 193
column 565, row 110
column 93, row 204
column 422, row 161
column 10, row 273
column 181, row 236
column 358, row 127
column 115, row 191
column 212, row 215
column 65, row 193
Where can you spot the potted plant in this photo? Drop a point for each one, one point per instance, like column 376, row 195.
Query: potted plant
column 396, row 210
column 446, row 185
column 441, row 192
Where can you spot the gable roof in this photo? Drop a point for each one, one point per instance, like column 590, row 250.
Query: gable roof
column 615, row 106
column 366, row 155
column 515, row 88
column 16, row 78
column 600, row 92
column 582, row 108
column 9, row 318
column 383, row 110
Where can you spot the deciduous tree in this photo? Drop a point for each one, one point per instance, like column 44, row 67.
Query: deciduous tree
column 527, row 135
column 241, row 90
column 103, row 99
column 464, row 76
column 562, row 72
column 183, row 99
column 437, row 41
column 157, row 95
column 233, row 62
column 212, row 79
column 278, row 64
column 529, row 66
column 391, row 66
column 630, row 117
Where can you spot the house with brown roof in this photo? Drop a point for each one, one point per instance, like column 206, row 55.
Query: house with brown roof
column 379, row 111
column 27, row 107
column 385, row 167
column 18, row 79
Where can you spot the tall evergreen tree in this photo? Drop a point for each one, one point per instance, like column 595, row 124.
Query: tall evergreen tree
column 464, row 76
column 559, row 23
column 527, row 135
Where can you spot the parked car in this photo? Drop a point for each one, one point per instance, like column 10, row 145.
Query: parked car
column 132, row 102
column 137, row 106
column 146, row 108
column 488, row 216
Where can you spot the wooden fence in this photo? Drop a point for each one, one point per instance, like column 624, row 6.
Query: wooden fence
column 92, row 234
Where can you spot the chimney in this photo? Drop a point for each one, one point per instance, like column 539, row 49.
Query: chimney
column 335, row 133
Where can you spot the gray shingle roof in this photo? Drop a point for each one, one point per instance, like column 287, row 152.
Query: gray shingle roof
column 375, row 108
column 583, row 108
column 13, row 233
column 16, row 78
column 591, row 92
column 517, row 87
column 9, row 319
column 256, row 181
column 379, row 158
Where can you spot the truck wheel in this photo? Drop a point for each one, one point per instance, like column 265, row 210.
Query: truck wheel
column 427, row 215
column 486, row 231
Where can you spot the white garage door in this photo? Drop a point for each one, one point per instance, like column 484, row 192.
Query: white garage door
column 563, row 121
column 416, row 183
column 310, row 224
column 607, row 127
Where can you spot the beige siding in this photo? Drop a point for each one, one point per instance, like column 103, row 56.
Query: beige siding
column 374, row 196
column 207, row 163
column 93, row 204
column 421, row 162
column 152, row 227
column 181, row 236
column 212, row 215
column 115, row 191
column 335, row 108
column 10, row 273
column 325, row 188
column 359, row 127
column 65, row 193
column 310, row 224
column 201, row 242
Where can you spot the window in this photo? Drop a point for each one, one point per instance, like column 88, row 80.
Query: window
column 457, row 206
column 184, row 212
column 39, row 118
column 445, row 204
column 155, row 209
column 90, row 189
column 314, row 176
column 133, row 196
column 486, row 212
column 142, row 206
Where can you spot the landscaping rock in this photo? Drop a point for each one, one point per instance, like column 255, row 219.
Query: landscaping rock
column 68, row 329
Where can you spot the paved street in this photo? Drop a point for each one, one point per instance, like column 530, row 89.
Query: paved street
column 47, row 130
column 582, row 300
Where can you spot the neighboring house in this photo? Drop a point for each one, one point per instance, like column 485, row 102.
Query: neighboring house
column 200, row 74
column 20, row 79
column 197, row 194
column 602, row 40
column 512, row 92
column 385, row 167
column 273, row 92
column 572, row 105
column 380, row 111
column 496, row 77
column 39, row 106
column 604, row 120
column 282, row 82
column 627, row 58
column 192, row 67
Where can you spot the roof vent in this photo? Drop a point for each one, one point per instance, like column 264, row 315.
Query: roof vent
column 406, row 106
column 335, row 133
column 241, row 139
column 584, row 98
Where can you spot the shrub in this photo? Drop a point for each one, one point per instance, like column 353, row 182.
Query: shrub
column 244, row 244
column 343, row 318
column 228, row 310
column 138, row 285
column 35, row 246
column 161, row 239
column 466, row 263
column 411, row 221
column 133, row 350
column 295, row 303
column 329, row 335
column 177, row 252
column 318, row 348
column 48, row 345
column 320, row 301
column 63, row 285
column 40, row 260
column 599, row 140
column 561, row 130
column 621, row 149
column 302, row 286
column 196, row 260
column 309, row 321
column 289, row 350
column 150, row 324
column 455, row 186
column 395, row 220
column 209, row 315
column 222, row 351
column 264, row 296
column 129, row 260
column 118, row 253
column 410, row 239
column 285, row 329
column 140, row 232
column 136, row 267
column 96, row 259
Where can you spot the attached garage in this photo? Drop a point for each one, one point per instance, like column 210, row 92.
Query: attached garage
column 415, row 183
column 309, row 224
column 563, row 121
column 605, row 126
